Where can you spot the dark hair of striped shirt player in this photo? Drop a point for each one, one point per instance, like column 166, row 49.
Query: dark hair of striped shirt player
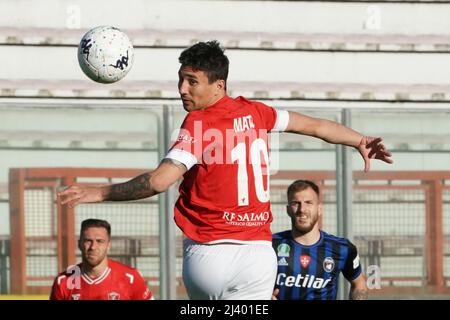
column 309, row 259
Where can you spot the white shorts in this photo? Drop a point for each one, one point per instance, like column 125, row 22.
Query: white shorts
column 227, row 271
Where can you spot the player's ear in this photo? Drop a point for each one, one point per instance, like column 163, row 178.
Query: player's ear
column 320, row 209
column 220, row 84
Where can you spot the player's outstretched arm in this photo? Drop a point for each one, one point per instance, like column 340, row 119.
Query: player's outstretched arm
column 333, row 132
column 143, row 186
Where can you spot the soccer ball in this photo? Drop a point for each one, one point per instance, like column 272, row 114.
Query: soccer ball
column 105, row 54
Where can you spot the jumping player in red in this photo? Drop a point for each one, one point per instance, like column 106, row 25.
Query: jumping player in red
column 222, row 152
column 97, row 277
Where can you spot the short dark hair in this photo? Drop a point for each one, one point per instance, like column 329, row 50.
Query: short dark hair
column 95, row 223
column 300, row 185
column 208, row 57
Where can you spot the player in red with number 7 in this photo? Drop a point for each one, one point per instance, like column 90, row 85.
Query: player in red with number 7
column 222, row 153
column 98, row 277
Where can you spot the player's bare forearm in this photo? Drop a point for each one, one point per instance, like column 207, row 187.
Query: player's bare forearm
column 137, row 188
column 147, row 184
column 336, row 133
column 143, row 186
column 359, row 294
column 358, row 288
column 326, row 130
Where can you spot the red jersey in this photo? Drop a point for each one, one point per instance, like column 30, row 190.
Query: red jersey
column 225, row 192
column 118, row 282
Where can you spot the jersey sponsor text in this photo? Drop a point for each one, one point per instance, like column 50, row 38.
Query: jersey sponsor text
column 303, row 281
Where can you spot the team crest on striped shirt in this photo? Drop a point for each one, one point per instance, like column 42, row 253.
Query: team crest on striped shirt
column 328, row 264
column 304, row 260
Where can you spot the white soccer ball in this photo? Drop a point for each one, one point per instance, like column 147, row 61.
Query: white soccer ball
column 105, row 54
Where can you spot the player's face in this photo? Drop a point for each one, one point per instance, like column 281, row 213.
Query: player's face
column 195, row 90
column 94, row 245
column 304, row 209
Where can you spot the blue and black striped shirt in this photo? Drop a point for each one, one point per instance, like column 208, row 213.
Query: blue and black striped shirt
column 312, row 272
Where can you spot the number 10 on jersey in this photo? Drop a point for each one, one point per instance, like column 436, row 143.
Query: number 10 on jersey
column 258, row 149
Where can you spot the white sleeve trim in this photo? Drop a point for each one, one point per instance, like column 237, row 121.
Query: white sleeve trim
column 282, row 121
column 186, row 158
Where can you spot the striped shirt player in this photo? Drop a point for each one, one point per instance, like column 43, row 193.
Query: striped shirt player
column 117, row 282
column 311, row 272
column 309, row 259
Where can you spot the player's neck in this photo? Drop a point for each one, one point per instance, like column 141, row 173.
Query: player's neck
column 216, row 99
column 308, row 238
column 97, row 271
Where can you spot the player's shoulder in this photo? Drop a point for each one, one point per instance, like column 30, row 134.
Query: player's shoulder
column 247, row 102
column 243, row 100
column 122, row 270
column 116, row 265
column 60, row 279
column 259, row 110
column 63, row 276
column 283, row 235
column 124, row 274
column 333, row 238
